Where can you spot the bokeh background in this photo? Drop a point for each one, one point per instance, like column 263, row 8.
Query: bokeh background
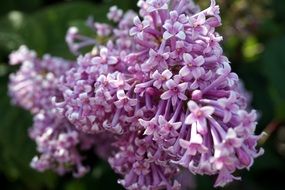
column 254, row 41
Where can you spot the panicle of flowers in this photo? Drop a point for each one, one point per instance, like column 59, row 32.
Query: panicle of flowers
column 36, row 81
column 32, row 87
column 59, row 145
column 142, row 164
column 159, row 88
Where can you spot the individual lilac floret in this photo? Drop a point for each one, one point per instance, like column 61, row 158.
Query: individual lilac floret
column 174, row 28
column 193, row 66
column 161, row 79
column 115, row 14
column 174, row 91
column 155, row 5
column 157, row 60
column 198, row 116
column 124, row 101
column 139, row 27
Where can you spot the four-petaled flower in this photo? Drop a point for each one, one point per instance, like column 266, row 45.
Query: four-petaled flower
column 198, row 116
column 151, row 127
column 139, row 27
column 155, row 5
column 115, row 14
column 105, row 58
column 224, row 178
column 193, row 66
column 232, row 140
column 174, row 28
column 124, row 101
column 168, row 128
column 229, row 106
column 156, row 58
column 197, row 26
column 174, row 91
column 160, row 79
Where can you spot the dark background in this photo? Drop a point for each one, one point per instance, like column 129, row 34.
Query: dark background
column 254, row 41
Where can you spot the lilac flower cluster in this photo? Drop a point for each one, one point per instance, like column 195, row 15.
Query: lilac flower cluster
column 59, row 144
column 35, row 82
column 159, row 90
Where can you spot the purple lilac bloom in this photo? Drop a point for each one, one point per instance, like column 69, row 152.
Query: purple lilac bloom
column 115, row 14
column 158, row 88
column 59, row 145
column 142, row 165
column 33, row 85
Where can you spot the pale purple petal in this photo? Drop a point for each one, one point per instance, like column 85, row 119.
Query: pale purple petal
column 193, row 106
column 187, row 58
column 166, row 95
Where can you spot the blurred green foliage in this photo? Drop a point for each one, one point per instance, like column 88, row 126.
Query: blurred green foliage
column 254, row 38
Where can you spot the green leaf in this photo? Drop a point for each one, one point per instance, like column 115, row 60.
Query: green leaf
column 45, row 30
column 273, row 68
